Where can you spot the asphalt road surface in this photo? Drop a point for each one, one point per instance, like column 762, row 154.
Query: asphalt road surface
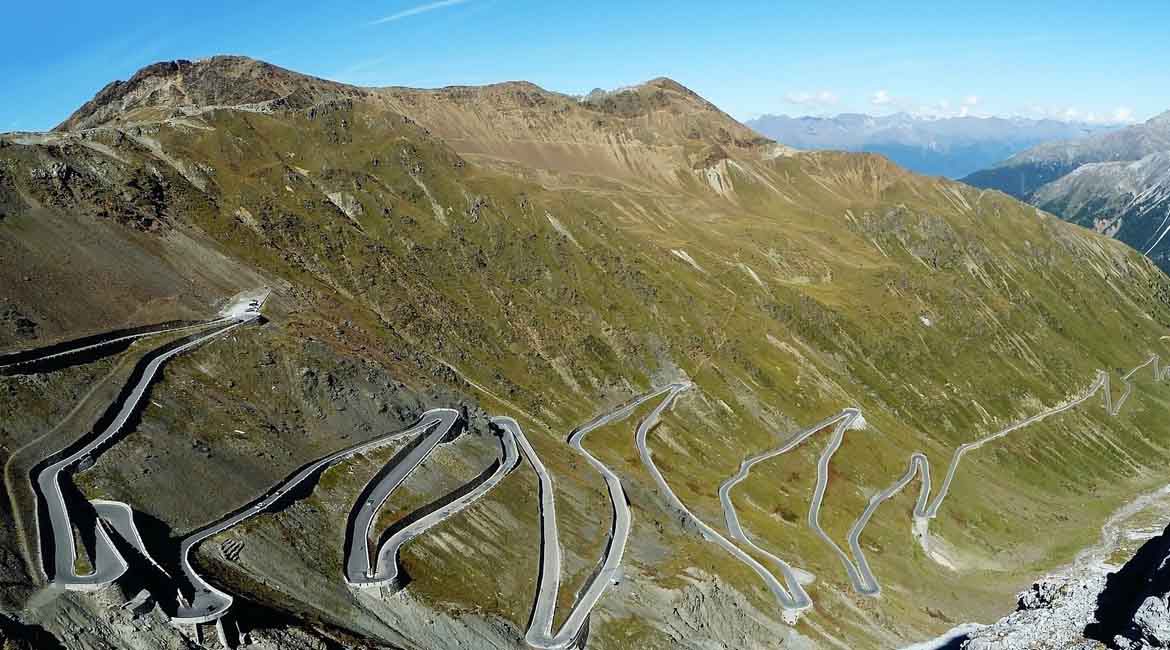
column 358, row 568
column 539, row 634
column 857, row 567
column 107, row 563
column 209, row 603
column 386, row 568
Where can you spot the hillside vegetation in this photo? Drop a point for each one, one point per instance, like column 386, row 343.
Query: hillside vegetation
column 525, row 253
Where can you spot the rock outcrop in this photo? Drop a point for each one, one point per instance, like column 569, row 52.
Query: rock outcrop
column 1090, row 608
column 217, row 81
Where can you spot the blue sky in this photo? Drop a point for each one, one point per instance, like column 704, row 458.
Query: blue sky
column 1069, row 59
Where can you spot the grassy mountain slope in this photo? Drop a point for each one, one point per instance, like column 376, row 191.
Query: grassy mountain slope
column 530, row 254
column 641, row 137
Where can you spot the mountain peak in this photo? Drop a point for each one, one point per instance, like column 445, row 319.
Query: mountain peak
column 224, row 80
column 657, row 93
column 1162, row 119
column 666, row 83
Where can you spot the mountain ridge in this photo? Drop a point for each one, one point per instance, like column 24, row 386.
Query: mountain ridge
column 1059, row 158
column 1116, row 182
column 224, row 80
column 234, row 80
column 658, row 126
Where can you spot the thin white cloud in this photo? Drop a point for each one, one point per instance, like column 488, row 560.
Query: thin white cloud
column 818, row 98
column 965, row 106
column 881, row 98
column 362, row 66
column 1120, row 115
column 420, row 9
column 969, row 102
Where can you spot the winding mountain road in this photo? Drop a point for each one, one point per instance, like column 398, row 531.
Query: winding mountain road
column 436, row 424
column 795, row 597
column 385, row 570
column 794, row 594
column 539, row 634
column 120, row 517
column 239, row 307
column 364, row 569
column 857, row 567
column 209, row 603
column 13, row 362
column 107, row 563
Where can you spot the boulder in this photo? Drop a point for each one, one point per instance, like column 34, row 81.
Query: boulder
column 1040, row 594
column 1152, row 621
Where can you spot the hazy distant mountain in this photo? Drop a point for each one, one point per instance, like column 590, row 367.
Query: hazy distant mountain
column 1117, row 183
column 952, row 147
column 1023, row 174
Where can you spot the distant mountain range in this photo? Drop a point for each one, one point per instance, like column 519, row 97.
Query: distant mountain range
column 951, row 147
column 1117, row 183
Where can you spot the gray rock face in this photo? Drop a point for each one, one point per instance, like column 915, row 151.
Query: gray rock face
column 1152, row 620
column 1052, row 615
column 1093, row 605
column 1026, row 172
column 1041, row 594
column 1129, row 201
column 216, row 81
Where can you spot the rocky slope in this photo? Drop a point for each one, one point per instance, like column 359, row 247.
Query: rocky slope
column 1116, row 183
column 657, row 133
column 1090, row 607
column 170, row 88
column 953, row 147
column 507, row 250
column 1126, row 200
